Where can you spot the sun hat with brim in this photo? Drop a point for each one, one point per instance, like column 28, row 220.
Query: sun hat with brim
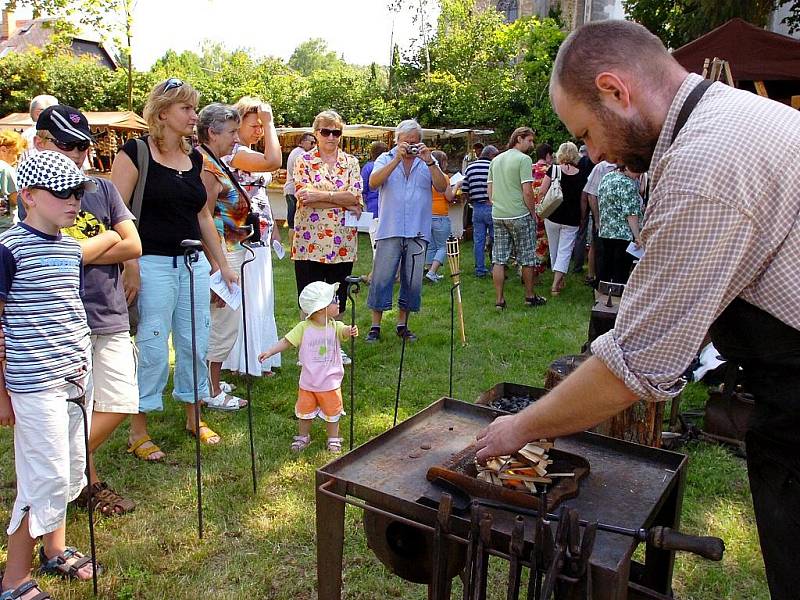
column 316, row 296
column 65, row 123
column 52, row 171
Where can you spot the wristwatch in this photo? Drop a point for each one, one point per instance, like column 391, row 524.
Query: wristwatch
column 433, row 162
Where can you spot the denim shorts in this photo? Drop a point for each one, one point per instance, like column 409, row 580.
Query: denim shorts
column 390, row 253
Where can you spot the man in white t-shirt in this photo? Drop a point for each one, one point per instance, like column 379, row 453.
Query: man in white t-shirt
column 305, row 144
column 38, row 104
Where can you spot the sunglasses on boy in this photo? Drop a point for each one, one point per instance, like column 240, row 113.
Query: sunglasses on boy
column 82, row 145
column 78, row 192
column 325, row 132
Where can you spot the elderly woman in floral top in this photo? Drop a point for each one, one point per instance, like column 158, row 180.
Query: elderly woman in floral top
column 327, row 185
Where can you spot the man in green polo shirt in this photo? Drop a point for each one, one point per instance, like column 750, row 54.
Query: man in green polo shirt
column 510, row 188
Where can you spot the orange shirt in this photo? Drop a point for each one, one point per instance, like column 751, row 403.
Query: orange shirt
column 440, row 204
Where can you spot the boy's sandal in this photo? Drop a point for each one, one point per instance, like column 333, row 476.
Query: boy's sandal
column 25, row 588
column 335, row 445
column 105, row 500
column 144, row 453
column 300, row 442
column 206, row 434
column 224, row 401
column 65, row 565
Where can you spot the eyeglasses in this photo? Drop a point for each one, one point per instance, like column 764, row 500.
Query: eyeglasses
column 83, row 145
column 172, row 83
column 64, row 194
column 325, row 132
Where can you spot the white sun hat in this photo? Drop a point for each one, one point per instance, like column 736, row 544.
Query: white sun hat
column 316, row 296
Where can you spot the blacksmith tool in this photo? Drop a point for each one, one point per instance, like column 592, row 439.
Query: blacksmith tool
column 515, row 550
column 440, row 585
column 472, row 551
column 248, row 378
column 80, row 402
column 662, row 538
column 353, row 287
column 556, row 559
column 482, row 556
column 191, row 254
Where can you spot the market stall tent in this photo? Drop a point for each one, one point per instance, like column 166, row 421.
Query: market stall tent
column 122, row 120
column 753, row 54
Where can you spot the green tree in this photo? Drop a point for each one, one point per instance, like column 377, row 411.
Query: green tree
column 678, row 22
column 313, row 55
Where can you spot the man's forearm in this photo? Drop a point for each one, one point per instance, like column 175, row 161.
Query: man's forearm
column 587, row 397
column 379, row 176
column 440, row 180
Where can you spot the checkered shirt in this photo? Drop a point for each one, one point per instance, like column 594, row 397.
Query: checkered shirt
column 723, row 221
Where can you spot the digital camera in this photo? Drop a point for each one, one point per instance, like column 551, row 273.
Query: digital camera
column 413, row 149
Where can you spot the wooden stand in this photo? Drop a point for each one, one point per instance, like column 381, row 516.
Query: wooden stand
column 640, row 423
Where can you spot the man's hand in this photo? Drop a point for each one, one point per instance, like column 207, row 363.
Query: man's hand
column 501, row 437
column 131, row 281
column 424, row 152
column 6, row 410
column 402, row 150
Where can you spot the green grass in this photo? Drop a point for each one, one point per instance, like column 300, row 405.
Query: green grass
column 263, row 546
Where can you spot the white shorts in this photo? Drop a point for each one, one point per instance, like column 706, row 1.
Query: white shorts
column 114, row 374
column 49, row 456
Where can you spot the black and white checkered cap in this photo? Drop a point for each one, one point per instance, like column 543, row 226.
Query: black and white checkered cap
column 52, row 171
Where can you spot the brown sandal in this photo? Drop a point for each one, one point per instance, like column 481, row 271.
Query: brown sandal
column 66, row 565
column 105, row 500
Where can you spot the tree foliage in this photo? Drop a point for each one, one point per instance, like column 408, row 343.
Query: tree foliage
column 678, row 22
column 483, row 73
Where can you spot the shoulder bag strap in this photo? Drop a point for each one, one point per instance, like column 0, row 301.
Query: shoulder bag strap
column 143, row 159
column 688, row 106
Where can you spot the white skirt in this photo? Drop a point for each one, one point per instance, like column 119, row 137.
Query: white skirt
column 262, row 332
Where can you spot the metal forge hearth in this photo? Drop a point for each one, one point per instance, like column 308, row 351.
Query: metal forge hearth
column 418, row 531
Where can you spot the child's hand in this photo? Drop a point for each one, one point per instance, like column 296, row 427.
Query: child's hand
column 353, row 331
column 263, row 356
column 6, row 411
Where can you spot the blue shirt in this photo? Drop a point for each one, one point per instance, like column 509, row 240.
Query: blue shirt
column 405, row 201
column 370, row 195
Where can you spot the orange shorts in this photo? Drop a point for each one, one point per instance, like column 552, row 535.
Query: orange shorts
column 325, row 405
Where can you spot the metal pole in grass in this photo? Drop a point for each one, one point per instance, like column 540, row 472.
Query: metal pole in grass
column 248, row 378
column 191, row 254
column 353, row 287
column 408, row 316
column 80, row 402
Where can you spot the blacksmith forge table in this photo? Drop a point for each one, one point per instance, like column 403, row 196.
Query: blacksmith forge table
column 629, row 485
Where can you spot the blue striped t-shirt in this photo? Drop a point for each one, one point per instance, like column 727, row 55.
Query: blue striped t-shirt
column 47, row 338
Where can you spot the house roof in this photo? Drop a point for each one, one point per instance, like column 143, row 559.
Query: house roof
column 752, row 53
column 37, row 33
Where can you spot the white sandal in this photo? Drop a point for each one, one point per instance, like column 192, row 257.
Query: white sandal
column 300, row 442
column 226, row 387
column 335, row 445
column 224, row 401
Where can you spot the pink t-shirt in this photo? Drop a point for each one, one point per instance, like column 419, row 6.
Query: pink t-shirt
column 319, row 353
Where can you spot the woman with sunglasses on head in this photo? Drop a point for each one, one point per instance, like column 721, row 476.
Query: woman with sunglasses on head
column 252, row 170
column 327, row 185
column 173, row 209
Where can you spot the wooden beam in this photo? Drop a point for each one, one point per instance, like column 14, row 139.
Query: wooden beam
column 761, row 89
column 796, row 102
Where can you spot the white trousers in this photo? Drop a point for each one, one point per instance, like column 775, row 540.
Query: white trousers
column 561, row 239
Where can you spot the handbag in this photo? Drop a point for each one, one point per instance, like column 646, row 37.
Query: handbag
column 553, row 198
column 143, row 161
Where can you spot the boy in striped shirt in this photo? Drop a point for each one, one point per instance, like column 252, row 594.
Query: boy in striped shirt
column 47, row 341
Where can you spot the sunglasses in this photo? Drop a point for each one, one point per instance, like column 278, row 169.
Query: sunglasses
column 83, row 145
column 172, row 84
column 325, row 132
column 64, row 194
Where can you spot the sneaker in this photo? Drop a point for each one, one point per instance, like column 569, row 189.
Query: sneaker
column 345, row 359
column 374, row 335
column 432, row 277
column 405, row 332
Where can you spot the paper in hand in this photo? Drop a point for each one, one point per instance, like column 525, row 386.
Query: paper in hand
column 634, row 250
column 363, row 222
column 280, row 251
column 232, row 298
